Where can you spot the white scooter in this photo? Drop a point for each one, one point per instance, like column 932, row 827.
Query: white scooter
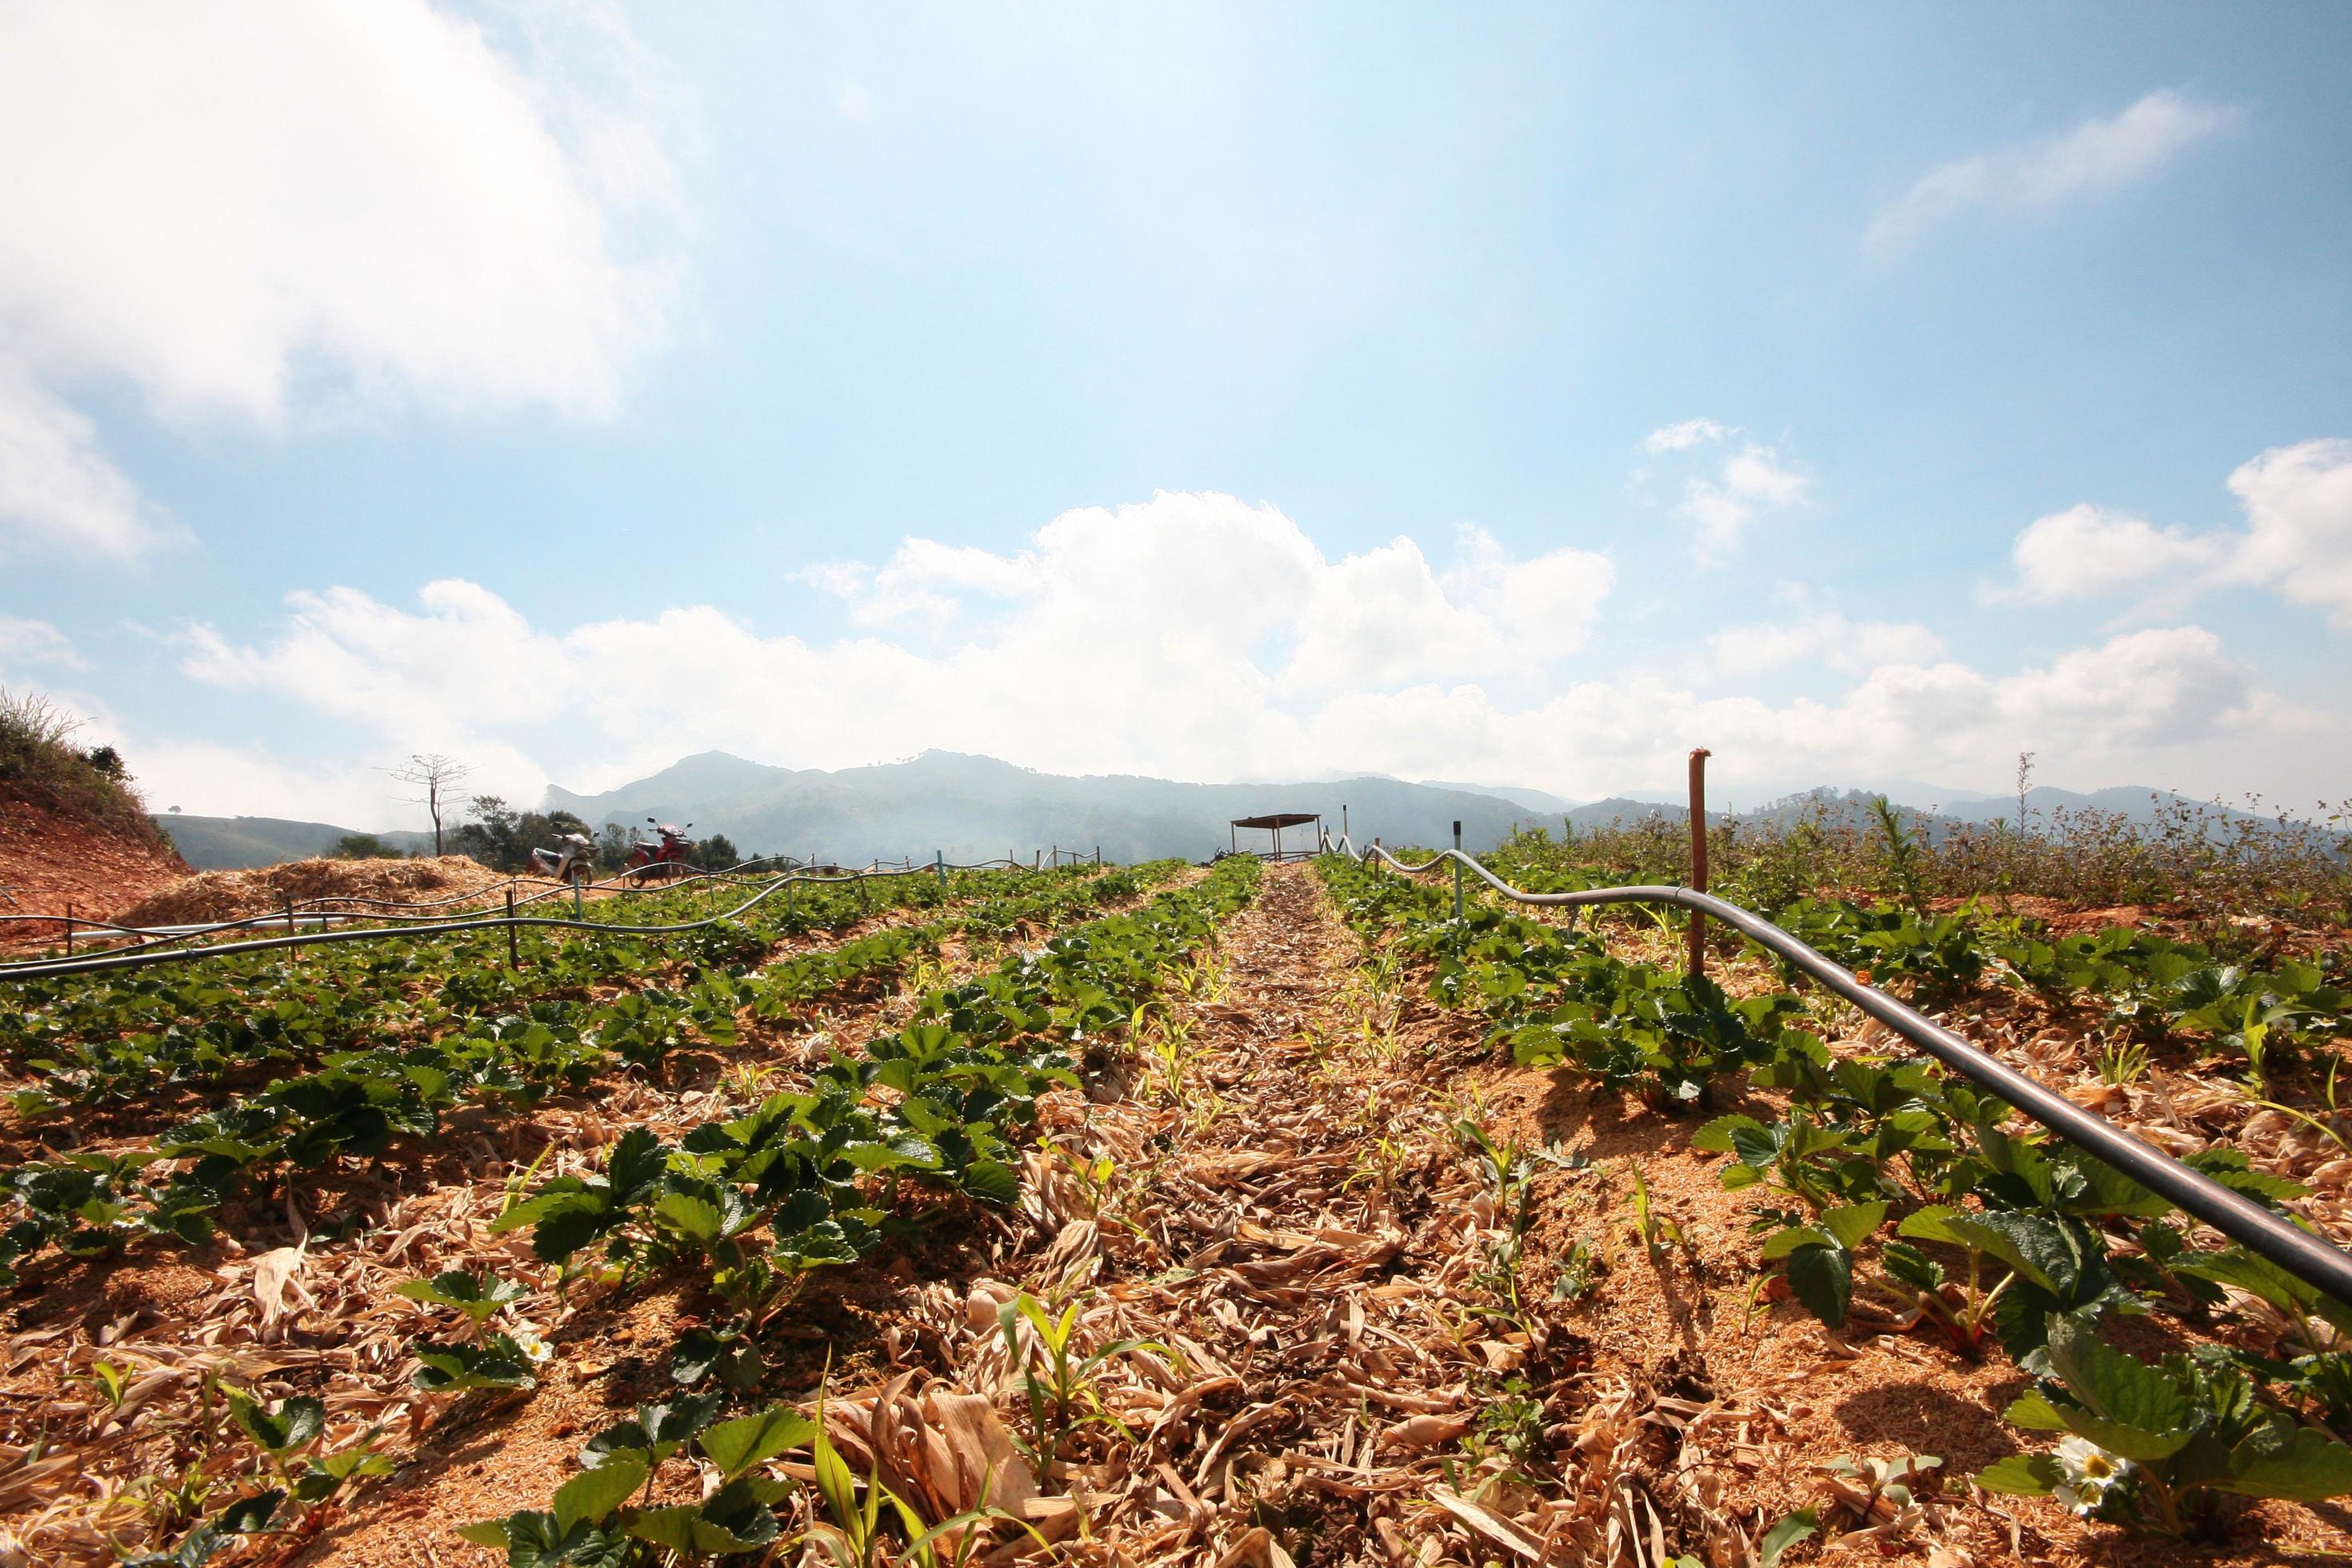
column 573, row 860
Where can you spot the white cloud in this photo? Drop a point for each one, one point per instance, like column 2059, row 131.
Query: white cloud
column 282, row 209
column 32, row 643
column 2088, row 550
column 2297, row 543
column 2094, row 157
column 2298, row 537
column 1827, row 637
column 57, row 489
column 207, row 778
column 1752, row 479
column 1198, row 637
column 1683, row 436
column 36, row 642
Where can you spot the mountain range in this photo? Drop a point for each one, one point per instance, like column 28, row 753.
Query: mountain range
column 974, row 807
column 970, row 807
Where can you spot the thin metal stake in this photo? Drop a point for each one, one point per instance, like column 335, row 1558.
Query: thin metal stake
column 1458, row 872
column 939, row 864
column 69, row 917
column 1698, row 857
column 514, row 959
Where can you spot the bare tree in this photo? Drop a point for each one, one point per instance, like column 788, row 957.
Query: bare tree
column 437, row 776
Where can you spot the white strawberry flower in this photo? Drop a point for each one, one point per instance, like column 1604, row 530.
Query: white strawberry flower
column 2091, row 1474
column 532, row 1345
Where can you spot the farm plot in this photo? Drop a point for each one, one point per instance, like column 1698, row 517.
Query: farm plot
column 1274, row 1217
column 362, row 1145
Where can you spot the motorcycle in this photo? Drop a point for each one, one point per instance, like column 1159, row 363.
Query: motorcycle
column 573, row 859
column 668, row 857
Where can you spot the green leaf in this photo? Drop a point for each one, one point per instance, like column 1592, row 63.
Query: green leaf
column 1715, row 1138
column 1930, row 1225
column 294, row 1422
column 1781, row 1243
column 2033, row 1411
column 455, row 1287
column 1783, row 1535
column 735, row 1446
column 2307, row 1468
column 2133, row 1409
column 1822, row 1278
column 592, row 1495
column 1912, row 1267
column 1852, row 1224
column 485, row 1533
column 2023, row 1475
column 992, row 1180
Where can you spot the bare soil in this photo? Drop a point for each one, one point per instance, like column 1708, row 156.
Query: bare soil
column 49, row 860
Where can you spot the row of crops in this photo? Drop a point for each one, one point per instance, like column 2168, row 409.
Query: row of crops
column 1887, row 1186
column 2258, row 1014
column 316, row 1056
column 871, row 1148
column 317, row 1061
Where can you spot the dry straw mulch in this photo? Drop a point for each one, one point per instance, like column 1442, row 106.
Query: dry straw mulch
column 236, row 895
column 1269, row 1188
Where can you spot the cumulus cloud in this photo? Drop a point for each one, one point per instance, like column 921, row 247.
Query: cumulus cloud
column 1752, row 480
column 1683, row 436
column 1200, row 637
column 2297, row 542
column 2298, row 537
column 2088, row 160
column 282, row 210
column 2088, row 550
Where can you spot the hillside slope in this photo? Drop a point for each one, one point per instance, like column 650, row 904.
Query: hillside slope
column 50, row 858
column 238, row 843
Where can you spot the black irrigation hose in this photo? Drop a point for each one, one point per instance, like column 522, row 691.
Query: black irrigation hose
column 2310, row 1259
column 45, row 969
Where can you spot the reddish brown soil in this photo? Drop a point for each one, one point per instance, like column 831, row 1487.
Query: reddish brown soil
column 49, row 860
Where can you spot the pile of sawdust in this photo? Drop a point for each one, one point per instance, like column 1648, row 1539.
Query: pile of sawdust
column 233, row 895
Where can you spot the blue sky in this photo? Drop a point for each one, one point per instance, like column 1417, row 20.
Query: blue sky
column 1526, row 394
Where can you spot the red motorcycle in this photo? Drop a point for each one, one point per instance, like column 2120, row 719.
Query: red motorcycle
column 667, row 857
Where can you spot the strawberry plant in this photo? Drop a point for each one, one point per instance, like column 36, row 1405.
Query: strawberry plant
column 2161, row 1447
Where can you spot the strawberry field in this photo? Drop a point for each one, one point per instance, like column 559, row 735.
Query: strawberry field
column 1266, row 1216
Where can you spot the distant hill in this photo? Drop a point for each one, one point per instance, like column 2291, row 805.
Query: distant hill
column 235, row 843
column 977, row 807
column 1541, row 802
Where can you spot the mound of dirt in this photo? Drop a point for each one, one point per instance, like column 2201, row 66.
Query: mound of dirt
column 50, row 858
column 233, row 895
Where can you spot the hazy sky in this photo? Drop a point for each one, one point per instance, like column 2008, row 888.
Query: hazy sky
column 1523, row 394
